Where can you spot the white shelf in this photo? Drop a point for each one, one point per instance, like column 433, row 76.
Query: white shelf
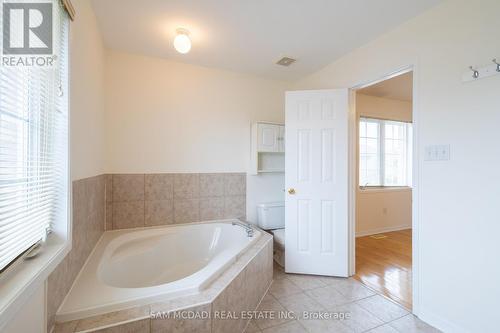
column 271, row 171
column 268, row 148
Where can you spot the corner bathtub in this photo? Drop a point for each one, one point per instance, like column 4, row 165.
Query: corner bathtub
column 140, row 266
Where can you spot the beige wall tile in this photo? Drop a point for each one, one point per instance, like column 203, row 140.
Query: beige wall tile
column 212, row 185
column 91, row 188
column 58, row 285
column 88, row 203
column 159, row 212
column 109, row 188
column 128, row 214
column 128, row 187
column 211, row 208
column 172, row 325
column 109, row 216
column 235, row 184
column 139, row 326
column 259, row 274
column 79, row 203
column 186, row 210
column 159, row 186
column 186, row 185
column 67, row 327
column 183, row 188
column 235, row 207
column 114, row 318
column 233, row 298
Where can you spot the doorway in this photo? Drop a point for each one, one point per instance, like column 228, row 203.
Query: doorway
column 383, row 150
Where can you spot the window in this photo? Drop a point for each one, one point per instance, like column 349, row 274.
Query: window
column 34, row 147
column 385, row 149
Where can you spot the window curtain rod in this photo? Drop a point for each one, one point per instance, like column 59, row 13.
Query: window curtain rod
column 69, row 8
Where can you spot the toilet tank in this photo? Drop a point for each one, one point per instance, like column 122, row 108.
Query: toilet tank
column 271, row 215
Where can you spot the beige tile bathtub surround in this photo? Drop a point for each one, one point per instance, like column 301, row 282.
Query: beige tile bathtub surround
column 89, row 211
column 240, row 288
column 137, row 200
column 116, row 201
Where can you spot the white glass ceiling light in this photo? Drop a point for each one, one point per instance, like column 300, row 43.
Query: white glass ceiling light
column 182, row 43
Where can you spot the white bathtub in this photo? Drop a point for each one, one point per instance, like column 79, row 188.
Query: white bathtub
column 140, row 266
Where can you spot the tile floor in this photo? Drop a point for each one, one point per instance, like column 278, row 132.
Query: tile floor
column 368, row 311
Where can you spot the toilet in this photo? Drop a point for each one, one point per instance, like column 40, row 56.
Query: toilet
column 271, row 217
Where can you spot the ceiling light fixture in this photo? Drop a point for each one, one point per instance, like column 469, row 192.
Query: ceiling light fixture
column 182, row 43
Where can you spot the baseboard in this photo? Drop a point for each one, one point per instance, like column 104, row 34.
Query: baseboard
column 382, row 230
column 440, row 323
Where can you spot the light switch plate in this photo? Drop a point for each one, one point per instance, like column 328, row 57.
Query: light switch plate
column 437, row 153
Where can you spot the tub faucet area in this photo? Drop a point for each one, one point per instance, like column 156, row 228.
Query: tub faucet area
column 245, row 225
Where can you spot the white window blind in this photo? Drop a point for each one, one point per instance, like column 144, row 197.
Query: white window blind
column 33, row 147
column 385, row 153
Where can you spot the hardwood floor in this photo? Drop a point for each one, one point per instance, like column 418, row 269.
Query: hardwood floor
column 385, row 265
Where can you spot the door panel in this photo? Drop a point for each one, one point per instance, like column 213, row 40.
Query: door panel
column 317, row 177
column 268, row 135
column 282, row 139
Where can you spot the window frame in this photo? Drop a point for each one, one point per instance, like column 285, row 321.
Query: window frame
column 22, row 278
column 408, row 141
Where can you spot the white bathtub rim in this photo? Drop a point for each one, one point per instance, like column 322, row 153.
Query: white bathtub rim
column 135, row 302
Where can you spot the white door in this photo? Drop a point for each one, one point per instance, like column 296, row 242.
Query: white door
column 268, row 137
column 316, row 176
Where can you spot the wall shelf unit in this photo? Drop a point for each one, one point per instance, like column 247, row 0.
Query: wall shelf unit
column 268, row 148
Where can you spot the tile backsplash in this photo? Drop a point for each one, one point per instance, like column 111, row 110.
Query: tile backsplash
column 138, row 200
column 88, row 225
column 117, row 201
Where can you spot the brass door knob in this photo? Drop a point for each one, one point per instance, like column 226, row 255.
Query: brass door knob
column 291, row 191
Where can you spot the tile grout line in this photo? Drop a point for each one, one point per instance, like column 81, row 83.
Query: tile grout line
column 350, row 302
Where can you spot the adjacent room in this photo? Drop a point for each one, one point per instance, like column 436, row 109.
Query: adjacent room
column 230, row 166
column 384, row 195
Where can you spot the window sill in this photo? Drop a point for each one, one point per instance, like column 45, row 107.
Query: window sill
column 18, row 284
column 376, row 189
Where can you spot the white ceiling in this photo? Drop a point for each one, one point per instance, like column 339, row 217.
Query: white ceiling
column 399, row 87
column 251, row 35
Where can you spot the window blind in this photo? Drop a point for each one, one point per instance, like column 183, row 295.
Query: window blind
column 33, row 147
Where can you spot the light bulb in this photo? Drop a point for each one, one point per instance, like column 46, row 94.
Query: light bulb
column 182, row 43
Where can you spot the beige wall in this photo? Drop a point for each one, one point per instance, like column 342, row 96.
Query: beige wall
column 87, row 92
column 165, row 117
column 458, row 199
column 383, row 108
column 382, row 210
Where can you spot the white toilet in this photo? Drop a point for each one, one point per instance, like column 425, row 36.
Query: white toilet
column 271, row 217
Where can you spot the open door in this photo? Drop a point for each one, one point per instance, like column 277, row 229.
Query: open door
column 316, row 176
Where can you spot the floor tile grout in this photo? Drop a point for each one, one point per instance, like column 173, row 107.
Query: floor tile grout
column 304, row 291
